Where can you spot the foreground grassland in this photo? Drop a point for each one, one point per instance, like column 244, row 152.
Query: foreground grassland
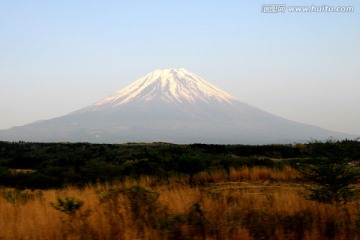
column 248, row 203
column 167, row 191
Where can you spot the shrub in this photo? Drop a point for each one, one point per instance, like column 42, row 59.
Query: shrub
column 76, row 224
column 16, row 196
column 68, row 205
column 333, row 180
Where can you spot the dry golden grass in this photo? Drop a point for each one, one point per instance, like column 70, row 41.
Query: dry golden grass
column 248, row 174
column 249, row 206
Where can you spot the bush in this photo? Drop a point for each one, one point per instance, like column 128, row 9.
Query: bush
column 68, row 205
column 333, row 180
column 16, row 196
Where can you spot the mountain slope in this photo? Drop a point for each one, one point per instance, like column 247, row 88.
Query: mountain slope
column 171, row 105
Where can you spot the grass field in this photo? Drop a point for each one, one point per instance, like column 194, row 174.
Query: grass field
column 248, row 203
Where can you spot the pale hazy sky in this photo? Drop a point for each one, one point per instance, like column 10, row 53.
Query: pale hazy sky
column 59, row 56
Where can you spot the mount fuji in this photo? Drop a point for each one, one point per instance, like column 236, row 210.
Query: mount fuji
column 169, row 105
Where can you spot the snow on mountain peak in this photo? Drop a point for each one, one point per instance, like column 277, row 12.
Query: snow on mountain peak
column 172, row 85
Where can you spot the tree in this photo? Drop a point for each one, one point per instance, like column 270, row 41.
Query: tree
column 191, row 164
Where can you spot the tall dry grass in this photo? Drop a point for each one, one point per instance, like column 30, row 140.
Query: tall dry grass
column 246, row 207
column 256, row 173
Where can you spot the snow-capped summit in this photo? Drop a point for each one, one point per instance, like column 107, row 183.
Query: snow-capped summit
column 172, row 85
